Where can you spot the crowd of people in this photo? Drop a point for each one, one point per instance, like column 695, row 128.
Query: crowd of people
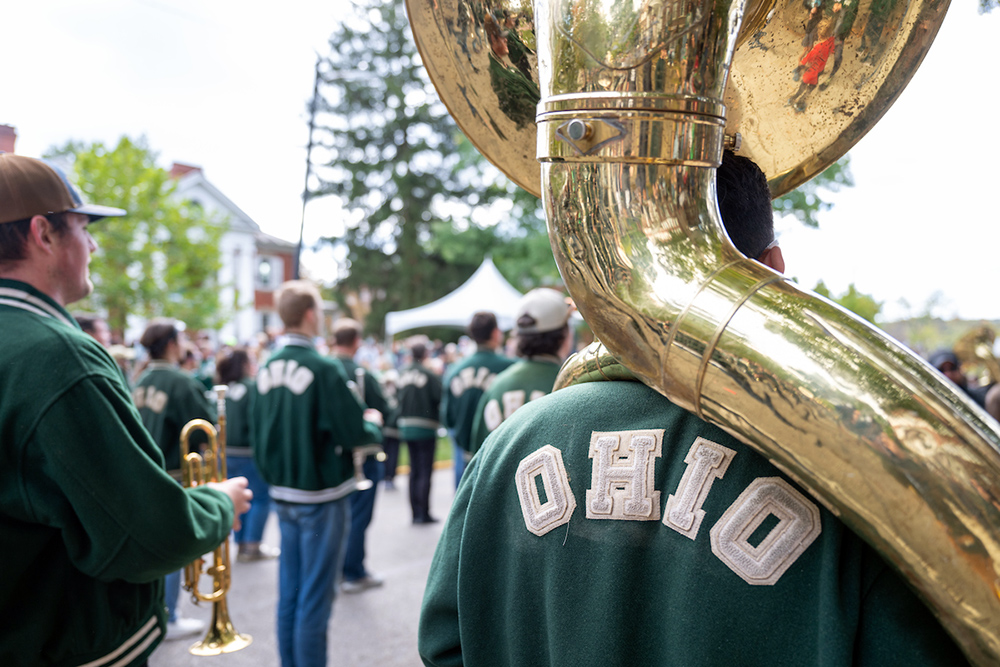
column 316, row 419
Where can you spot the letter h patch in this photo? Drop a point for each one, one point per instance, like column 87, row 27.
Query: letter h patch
column 622, row 484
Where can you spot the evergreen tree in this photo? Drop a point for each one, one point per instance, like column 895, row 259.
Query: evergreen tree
column 423, row 203
column 394, row 159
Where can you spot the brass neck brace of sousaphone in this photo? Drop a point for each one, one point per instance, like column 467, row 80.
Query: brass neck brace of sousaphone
column 627, row 107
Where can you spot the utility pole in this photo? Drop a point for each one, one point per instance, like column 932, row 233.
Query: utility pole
column 305, row 188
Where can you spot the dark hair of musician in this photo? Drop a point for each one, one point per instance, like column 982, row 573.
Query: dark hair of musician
column 346, row 332
column 232, row 366
column 745, row 204
column 14, row 236
column 539, row 344
column 482, row 326
column 88, row 322
column 419, row 352
column 158, row 335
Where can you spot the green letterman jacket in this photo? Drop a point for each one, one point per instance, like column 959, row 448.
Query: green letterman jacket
column 304, row 423
column 168, row 398
column 419, row 403
column 464, row 384
column 239, row 396
column 603, row 525
column 89, row 520
column 370, row 393
column 525, row 381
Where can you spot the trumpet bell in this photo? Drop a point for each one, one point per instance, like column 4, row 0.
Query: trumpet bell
column 805, row 85
column 222, row 637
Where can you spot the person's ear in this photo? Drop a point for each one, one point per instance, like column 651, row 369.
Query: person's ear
column 41, row 233
column 773, row 258
column 314, row 318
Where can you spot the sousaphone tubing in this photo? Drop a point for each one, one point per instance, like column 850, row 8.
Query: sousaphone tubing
column 616, row 114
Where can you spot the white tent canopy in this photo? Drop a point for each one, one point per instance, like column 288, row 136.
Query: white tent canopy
column 485, row 290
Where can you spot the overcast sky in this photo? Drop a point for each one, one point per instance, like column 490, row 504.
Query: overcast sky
column 224, row 86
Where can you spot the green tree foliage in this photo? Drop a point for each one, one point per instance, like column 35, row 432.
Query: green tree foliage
column 806, row 201
column 162, row 259
column 518, row 242
column 860, row 304
column 424, row 207
column 396, row 160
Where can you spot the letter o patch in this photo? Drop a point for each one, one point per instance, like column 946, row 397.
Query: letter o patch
column 557, row 510
column 264, row 381
column 798, row 526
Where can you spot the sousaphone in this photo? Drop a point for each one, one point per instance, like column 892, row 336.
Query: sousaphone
column 616, row 113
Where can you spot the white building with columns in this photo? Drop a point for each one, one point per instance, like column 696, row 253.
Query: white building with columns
column 254, row 264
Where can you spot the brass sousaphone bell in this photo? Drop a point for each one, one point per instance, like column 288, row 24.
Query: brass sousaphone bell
column 627, row 106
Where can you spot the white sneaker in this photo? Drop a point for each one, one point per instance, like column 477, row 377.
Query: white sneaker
column 262, row 552
column 362, row 584
column 184, row 627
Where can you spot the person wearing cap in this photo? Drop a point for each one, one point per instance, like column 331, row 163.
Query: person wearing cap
column 602, row 524
column 465, row 382
column 167, row 399
column 948, row 364
column 419, row 391
column 543, row 342
column 90, row 522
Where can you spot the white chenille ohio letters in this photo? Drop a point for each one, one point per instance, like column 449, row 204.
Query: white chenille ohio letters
column 150, row 397
column 469, row 377
column 798, row 525
column 706, row 461
column 512, row 401
column 560, row 503
column 236, row 392
column 284, row 373
column 492, row 415
column 622, row 475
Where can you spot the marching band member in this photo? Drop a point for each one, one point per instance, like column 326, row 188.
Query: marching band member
column 602, row 524
column 465, row 382
column 90, row 522
column 305, row 422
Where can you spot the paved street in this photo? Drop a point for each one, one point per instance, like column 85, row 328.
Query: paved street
column 377, row 627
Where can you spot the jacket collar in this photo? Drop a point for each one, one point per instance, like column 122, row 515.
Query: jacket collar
column 16, row 294
column 296, row 340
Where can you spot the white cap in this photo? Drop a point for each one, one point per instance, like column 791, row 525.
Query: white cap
column 542, row 310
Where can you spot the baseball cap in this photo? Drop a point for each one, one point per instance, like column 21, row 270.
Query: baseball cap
column 542, row 310
column 941, row 357
column 31, row 187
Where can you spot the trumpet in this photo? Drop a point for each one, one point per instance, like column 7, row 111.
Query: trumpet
column 198, row 469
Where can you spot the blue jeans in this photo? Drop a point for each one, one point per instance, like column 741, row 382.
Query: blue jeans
column 171, row 591
column 252, row 528
column 390, row 446
column 313, row 538
column 458, row 459
column 362, row 507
